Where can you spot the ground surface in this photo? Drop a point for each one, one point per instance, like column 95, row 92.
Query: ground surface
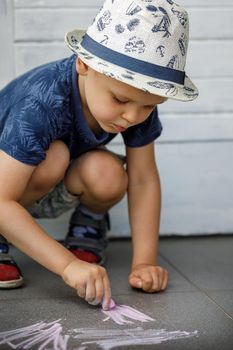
column 198, row 301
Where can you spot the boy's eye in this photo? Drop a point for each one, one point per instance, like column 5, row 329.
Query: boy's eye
column 119, row 101
column 123, row 102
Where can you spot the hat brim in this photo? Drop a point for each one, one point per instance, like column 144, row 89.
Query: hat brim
column 185, row 92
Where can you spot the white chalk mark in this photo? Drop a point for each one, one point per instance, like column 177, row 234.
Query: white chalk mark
column 106, row 319
column 136, row 336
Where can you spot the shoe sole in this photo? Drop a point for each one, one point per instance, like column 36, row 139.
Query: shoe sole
column 11, row 284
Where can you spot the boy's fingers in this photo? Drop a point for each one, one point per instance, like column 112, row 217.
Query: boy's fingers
column 135, row 281
column 94, row 302
column 165, row 280
column 99, row 288
column 147, row 282
column 82, row 291
column 155, row 284
column 164, row 285
column 107, row 293
column 152, row 280
column 90, row 291
column 160, row 276
column 162, row 279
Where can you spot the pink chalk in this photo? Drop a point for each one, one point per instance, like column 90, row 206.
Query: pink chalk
column 111, row 306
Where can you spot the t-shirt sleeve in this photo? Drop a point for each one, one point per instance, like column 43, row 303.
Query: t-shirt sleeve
column 24, row 135
column 144, row 133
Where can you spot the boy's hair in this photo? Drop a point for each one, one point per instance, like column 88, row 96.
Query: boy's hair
column 141, row 43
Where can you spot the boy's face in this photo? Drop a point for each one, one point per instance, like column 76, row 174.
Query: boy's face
column 114, row 105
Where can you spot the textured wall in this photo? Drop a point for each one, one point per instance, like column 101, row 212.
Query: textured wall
column 195, row 151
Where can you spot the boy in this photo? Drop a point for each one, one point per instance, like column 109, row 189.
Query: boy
column 54, row 123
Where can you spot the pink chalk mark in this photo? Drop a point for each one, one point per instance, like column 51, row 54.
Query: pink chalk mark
column 114, row 338
column 40, row 334
column 50, row 335
column 122, row 314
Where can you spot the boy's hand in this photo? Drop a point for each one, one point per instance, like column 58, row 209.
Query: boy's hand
column 90, row 281
column 150, row 278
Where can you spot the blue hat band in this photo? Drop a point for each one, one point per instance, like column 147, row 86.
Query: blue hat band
column 132, row 64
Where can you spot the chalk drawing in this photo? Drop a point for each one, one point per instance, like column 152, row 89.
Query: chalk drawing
column 50, row 335
column 41, row 334
column 120, row 313
column 112, row 338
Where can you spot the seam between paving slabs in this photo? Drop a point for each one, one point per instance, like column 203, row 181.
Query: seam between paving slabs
column 196, row 286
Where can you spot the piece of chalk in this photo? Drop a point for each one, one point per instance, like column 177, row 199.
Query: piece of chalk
column 111, row 305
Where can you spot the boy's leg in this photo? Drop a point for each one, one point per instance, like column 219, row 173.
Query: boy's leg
column 100, row 180
column 46, row 175
column 4, row 247
column 97, row 177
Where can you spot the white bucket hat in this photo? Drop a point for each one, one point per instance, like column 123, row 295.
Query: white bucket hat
column 142, row 43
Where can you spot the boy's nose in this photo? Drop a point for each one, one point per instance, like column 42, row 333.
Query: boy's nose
column 133, row 116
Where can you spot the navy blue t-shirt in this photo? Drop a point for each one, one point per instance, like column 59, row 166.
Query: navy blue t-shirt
column 44, row 105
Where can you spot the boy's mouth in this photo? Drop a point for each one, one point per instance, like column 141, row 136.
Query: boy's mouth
column 119, row 128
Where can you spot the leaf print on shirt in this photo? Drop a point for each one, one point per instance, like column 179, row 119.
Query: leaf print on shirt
column 23, row 131
column 27, row 135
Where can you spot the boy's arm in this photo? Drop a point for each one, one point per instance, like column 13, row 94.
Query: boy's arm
column 144, row 200
column 18, row 226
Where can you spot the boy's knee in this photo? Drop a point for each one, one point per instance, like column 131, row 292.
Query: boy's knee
column 104, row 177
column 53, row 168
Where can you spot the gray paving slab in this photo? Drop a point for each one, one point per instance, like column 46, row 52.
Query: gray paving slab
column 207, row 261
column 224, row 298
column 191, row 315
column 185, row 316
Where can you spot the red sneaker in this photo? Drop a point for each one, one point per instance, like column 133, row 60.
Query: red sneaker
column 10, row 274
column 88, row 246
column 85, row 255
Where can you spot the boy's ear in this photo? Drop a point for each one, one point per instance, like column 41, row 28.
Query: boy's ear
column 81, row 67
